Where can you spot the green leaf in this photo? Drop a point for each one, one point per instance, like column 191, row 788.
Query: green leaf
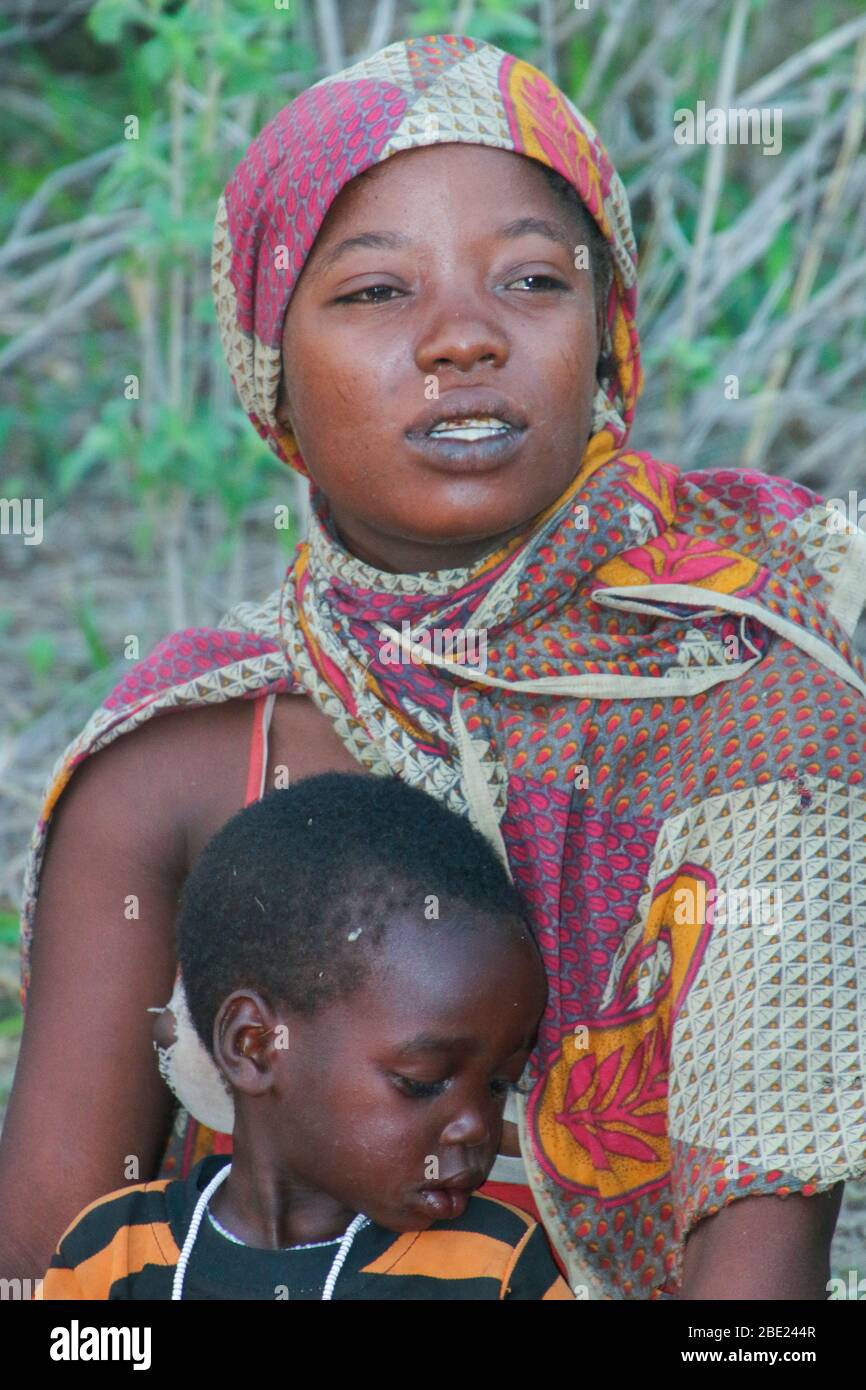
column 504, row 28
column 111, row 437
column 142, row 539
column 85, row 616
column 8, row 417
column 41, row 654
column 9, row 929
column 432, row 20
column 155, row 59
column 578, row 65
column 107, row 19
column 780, row 252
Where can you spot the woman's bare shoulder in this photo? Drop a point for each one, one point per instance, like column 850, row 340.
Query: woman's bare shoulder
column 155, row 780
column 168, row 785
column 185, row 773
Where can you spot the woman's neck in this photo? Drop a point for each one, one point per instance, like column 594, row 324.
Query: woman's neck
column 399, row 555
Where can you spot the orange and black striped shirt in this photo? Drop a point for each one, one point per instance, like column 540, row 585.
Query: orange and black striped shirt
column 126, row 1246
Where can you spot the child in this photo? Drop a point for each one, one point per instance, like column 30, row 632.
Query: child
column 369, row 1012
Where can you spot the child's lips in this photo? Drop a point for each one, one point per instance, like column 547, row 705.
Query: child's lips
column 445, row 1203
column 449, row 1199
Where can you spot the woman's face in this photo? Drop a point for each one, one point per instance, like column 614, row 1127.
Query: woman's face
column 441, row 289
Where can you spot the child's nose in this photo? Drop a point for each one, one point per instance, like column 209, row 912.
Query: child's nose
column 471, row 1128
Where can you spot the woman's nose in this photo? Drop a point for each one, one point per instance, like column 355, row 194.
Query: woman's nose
column 463, row 334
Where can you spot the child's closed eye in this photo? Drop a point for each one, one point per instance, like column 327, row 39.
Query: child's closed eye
column 425, row 1090
column 419, row 1090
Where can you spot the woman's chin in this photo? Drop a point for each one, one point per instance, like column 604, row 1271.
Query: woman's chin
column 459, row 545
column 470, row 516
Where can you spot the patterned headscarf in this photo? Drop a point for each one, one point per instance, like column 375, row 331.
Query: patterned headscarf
column 432, row 91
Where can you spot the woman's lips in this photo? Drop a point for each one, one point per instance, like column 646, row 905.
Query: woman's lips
column 448, row 454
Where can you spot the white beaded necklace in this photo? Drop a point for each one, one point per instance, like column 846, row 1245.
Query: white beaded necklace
column 357, row 1225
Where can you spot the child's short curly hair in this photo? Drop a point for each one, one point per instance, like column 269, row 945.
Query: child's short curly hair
column 292, row 896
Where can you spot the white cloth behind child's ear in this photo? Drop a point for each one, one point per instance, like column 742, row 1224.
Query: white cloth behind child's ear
column 191, row 1073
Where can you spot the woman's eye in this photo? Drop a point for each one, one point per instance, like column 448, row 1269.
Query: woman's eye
column 419, row 1090
column 539, row 282
column 377, row 295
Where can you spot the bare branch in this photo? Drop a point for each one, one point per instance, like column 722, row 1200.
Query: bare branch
column 809, row 265
column 715, row 165
column 60, row 178
column 54, row 273
column 22, row 33
column 606, row 49
column 828, row 448
column 787, row 72
column 59, row 318
column 463, row 17
column 380, row 28
column 88, row 226
column 548, row 39
column 330, row 35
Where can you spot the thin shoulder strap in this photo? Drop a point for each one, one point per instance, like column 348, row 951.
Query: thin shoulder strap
column 263, row 709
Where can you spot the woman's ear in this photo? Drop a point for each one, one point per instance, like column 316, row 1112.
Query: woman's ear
column 281, row 410
column 606, row 361
column 599, row 321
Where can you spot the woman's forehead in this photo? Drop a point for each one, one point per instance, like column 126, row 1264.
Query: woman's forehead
column 469, row 176
column 446, row 159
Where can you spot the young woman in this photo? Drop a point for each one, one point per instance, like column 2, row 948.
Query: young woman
column 426, row 285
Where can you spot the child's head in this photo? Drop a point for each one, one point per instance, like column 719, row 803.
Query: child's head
column 355, row 958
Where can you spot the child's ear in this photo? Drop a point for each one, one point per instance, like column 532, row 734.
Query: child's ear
column 243, row 1042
